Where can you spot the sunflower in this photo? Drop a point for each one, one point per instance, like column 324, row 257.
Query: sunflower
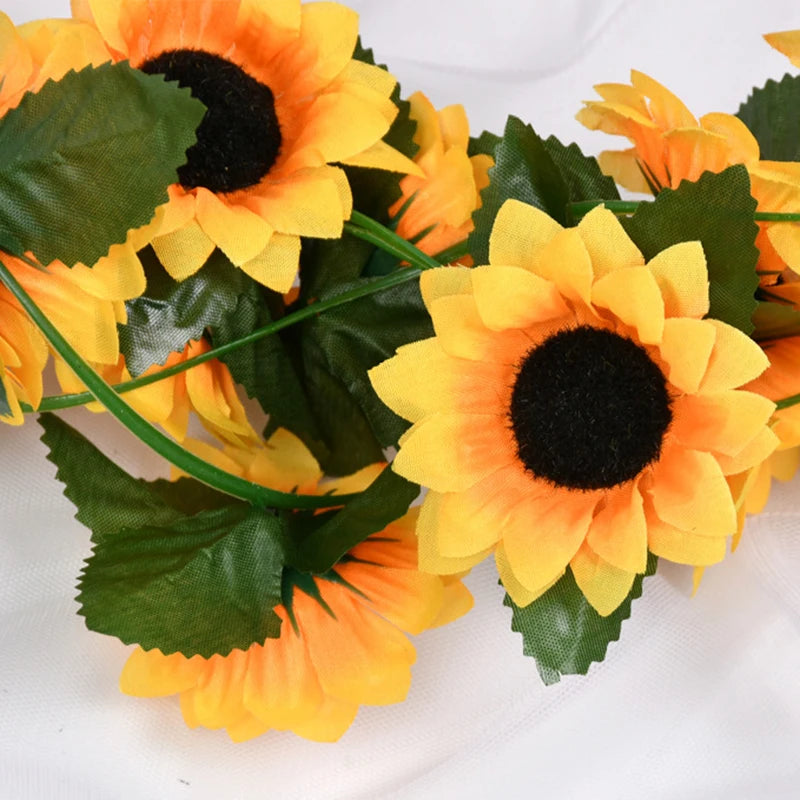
column 436, row 208
column 285, row 99
column 574, row 409
column 207, row 389
column 670, row 145
column 85, row 303
column 342, row 642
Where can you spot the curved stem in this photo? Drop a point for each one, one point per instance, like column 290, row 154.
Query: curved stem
column 583, row 207
column 366, row 228
column 788, row 402
column 144, row 430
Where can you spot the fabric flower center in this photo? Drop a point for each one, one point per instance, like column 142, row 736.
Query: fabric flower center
column 589, row 409
column 239, row 139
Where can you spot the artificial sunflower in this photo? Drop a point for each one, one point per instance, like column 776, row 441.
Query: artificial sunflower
column 85, row 303
column 436, row 208
column 207, row 389
column 342, row 641
column 574, row 409
column 671, row 145
column 285, row 100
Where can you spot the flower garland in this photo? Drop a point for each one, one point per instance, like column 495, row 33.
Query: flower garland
column 573, row 384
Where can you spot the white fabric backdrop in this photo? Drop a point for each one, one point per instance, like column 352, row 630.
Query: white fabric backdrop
column 700, row 700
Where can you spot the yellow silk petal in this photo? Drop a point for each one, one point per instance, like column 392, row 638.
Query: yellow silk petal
column 217, row 696
column 604, row 585
column 382, row 156
column 623, row 167
column 511, row 297
column 684, row 547
column 686, row 347
column 691, row 151
column 754, row 452
column 565, row 261
column 519, row 232
column 330, row 722
column 451, row 452
column 665, row 108
column 786, row 42
column 633, row 296
column 735, row 360
column 276, row 267
column 618, row 532
column 149, row 673
column 609, row 246
column 742, row 145
column 236, row 230
column 184, row 251
column 521, row 595
column 541, row 535
column 437, row 283
column 682, row 276
column 690, row 493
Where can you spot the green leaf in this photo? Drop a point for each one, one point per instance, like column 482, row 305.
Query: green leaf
column 386, row 500
column 772, row 113
column 564, row 633
column 718, row 211
column 107, row 497
column 483, row 145
column 205, row 584
column 175, row 566
column 775, row 321
column 89, row 157
column 171, row 313
column 524, row 170
column 337, row 349
column 582, row 174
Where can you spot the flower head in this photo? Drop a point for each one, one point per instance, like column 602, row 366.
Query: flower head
column 285, row 100
column 342, row 642
column 671, row 145
column 85, row 304
column 437, row 207
column 575, row 409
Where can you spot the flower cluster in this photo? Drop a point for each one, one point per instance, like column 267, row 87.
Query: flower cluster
column 286, row 272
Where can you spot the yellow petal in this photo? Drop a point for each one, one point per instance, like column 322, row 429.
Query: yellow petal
column 541, row 534
column 430, row 559
column 604, row 586
column 437, row 283
column 633, row 296
column 329, row 723
column 521, row 595
column 330, row 30
column 183, row 251
column 758, row 449
column 682, row 276
column 667, row 110
column 742, row 145
column 684, row 547
column 518, row 233
column 276, row 267
column 690, row 493
column 623, row 166
column 511, row 297
column 149, row 673
column 686, row 347
column 565, row 261
column 422, row 379
column 382, row 156
column 691, row 152
column 236, row 230
column 609, row 246
column 451, row 452
column 723, row 422
column 618, row 533
column 735, row 360
column 217, row 699
column 786, row 42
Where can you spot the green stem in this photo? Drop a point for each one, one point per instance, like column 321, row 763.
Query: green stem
column 58, row 402
column 580, row 209
column 366, row 228
column 144, row 430
column 788, row 402
column 453, row 253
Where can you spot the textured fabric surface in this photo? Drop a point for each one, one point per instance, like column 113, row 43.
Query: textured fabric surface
column 699, row 701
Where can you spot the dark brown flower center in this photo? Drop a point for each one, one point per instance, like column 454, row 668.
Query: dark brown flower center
column 589, row 409
column 239, row 139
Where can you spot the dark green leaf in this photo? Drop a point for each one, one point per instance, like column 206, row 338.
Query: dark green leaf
column 524, row 170
column 107, row 497
column 718, row 211
column 582, row 173
column 564, row 633
column 205, row 584
column 483, row 145
column 338, row 348
column 772, row 114
column 175, row 565
column 386, row 500
column 171, row 313
column 87, row 158
column 775, row 321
